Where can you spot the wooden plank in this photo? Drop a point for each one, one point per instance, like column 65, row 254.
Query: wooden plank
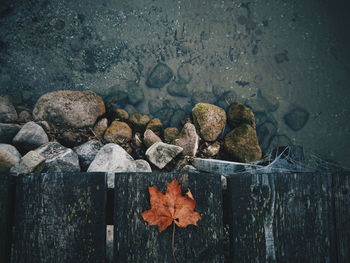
column 341, row 190
column 281, row 218
column 60, row 218
column 7, row 189
column 219, row 166
column 135, row 241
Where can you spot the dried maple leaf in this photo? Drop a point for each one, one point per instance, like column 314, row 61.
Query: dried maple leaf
column 171, row 207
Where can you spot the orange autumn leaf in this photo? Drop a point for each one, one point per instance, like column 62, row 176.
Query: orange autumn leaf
column 171, row 207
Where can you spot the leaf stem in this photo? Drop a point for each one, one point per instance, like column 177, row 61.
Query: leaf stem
column 173, row 244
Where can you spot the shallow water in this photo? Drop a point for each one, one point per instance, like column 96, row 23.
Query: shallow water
column 292, row 53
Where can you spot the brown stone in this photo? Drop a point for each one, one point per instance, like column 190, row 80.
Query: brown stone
column 139, row 121
column 118, row 132
column 238, row 114
column 149, row 138
column 100, row 127
column 120, row 114
column 188, row 140
column 212, row 150
column 156, row 126
column 170, row 134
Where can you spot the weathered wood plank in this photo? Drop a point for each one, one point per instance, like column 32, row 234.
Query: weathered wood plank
column 281, row 218
column 218, row 166
column 7, row 188
column 341, row 190
column 135, row 241
column 60, row 218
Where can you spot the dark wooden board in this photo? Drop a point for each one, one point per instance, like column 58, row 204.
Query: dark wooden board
column 7, row 189
column 135, row 241
column 341, row 190
column 281, row 218
column 60, row 218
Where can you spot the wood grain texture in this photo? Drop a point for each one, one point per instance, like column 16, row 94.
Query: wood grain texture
column 135, row 241
column 7, row 189
column 341, row 190
column 60, row 218
column 281, row 218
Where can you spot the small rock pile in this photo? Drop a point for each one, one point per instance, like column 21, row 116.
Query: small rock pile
column 71, row 131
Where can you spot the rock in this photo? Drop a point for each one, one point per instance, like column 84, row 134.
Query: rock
column 296, row 118
column 9, row 156
column 263, row 102
column 280, row 140
column 76, row 109
column 156, row 126
column 226, row 99
column 178, row 88
column 7, row 110
column 100, row 127
column 188, row 168
column 142, row 166
column 212, row 150
column 117, row 97
column 30, row 137
column 7, row 132
column 265, row 133
column 87, row 152
column 242, row 144
column 202, row 97
column 163, row 110
column 135, row 93
column 177, row 118
column 58, row 158
column 209, row 119
column 159, row 76
column 25, row 116
column 171, row 134
column 70, row 139
column 182, row 162
column 32, row 162
column 238, row 114
column 118, row 132
column 160, row 154
column 130, row 109
column 155, row 106
column 112, row 158
column 45, row 125
column 188, row 140
column 150, row 138
column 120, row 115
column 139, row 121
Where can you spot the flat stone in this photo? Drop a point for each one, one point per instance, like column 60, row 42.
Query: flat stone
column 118, row 132
column 58, row 158
column 30, row 137
column 32, row 162
column 9, row 156
column 160, row 154
column 188, row 140
column 8, row 132
column 209, row 120
column 7, row 110
column 159, row 76
column 142, row 166
column 296, row 119
column 87, row 153
column 150, row 138
column 76, row 109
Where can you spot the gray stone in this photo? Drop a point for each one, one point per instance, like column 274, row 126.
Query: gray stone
column 142, row 166
column 116, row 97
column 135, row 93
column 188, row 140
column 160, row 154
column 112, row 158
column 262, row 102
column 9, row 156
column 7, row 110
column 32, row 162
column 8, row 131
column 70, row 108
column 296, row 118
column 177, row 117
column 87, row 152
column 178, row 88
column 150, row 138
column 280, row 140
column 25, row 116
column 30, row 137
column 159, row 76
column 58, row 158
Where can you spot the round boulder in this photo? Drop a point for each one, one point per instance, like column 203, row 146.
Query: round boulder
column 118, row 132
column 70, row 108
column 9, row 156
column 209, row 119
